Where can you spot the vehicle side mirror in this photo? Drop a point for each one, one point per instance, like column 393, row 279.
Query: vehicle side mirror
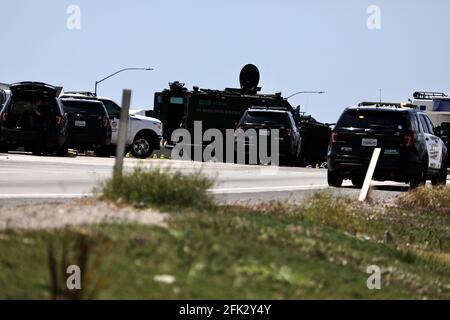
column 439, row 131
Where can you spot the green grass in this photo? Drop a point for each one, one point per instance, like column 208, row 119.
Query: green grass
column 319, row 249
column 160, row 189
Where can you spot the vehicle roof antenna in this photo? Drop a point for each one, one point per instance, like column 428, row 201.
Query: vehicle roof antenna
column 380, row 97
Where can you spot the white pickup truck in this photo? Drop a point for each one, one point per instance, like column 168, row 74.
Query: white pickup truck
column 144, row 133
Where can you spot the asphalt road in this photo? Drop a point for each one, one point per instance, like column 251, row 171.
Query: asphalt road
column 27, row 179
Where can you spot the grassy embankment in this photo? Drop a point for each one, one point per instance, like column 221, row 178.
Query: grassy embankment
column 318, row 249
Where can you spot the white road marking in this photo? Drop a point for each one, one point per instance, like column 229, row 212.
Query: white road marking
column 213, row 191
column 43, row 195
column 268, row 189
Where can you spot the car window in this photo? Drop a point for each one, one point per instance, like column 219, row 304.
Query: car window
column 425, row 125
column 430, row 124
column 83, row 107
column 266, row 118
column 373, row 119
column 112, row 108
column 415, row 123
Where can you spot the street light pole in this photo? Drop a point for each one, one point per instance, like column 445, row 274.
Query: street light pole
column 113, row 74
column 303, row 92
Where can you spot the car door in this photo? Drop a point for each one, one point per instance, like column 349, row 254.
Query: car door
column 114, row 114
column 438, row 144
column 433, row 143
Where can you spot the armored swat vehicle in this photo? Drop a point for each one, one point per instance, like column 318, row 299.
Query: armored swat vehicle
column 178, row 107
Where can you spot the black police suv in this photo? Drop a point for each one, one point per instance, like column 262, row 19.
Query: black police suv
column 89, row 126
column 411, row 150
column 263, row 120
column 32, row 117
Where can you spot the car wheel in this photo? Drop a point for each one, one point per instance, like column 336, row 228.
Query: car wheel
column 37, row 151
column 302, row 156
column 441, row 179
column 301, row 160
column 142, row 146
column 103, row 152
column 358, row 181
column 334, row 179
column 289, row 161
column 3, row 148
column 421, row 178
column 62, row 151
column 113, row 149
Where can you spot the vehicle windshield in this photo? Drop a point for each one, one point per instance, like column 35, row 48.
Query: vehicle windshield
column 441, row 105
column 83, row 107
column 266, row 118
column 367, row 119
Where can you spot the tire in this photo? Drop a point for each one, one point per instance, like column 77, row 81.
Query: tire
column 112, row 150
column 302, row 162
column 288, row 161
column 441, row 179
column 37, row 151
column 421, row 178
column 62, row 151
column 358, row 181
column 334, row 179
column 3, row 148
column 142, row 146
column 103, row 152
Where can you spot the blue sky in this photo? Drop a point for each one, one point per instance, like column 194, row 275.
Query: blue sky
column 297, row 45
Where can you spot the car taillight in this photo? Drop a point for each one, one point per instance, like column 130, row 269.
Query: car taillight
column 334, row 137
column 3, row 116
column 409, row 139
column 289, row 132
column 105, row 123
column 59, row 120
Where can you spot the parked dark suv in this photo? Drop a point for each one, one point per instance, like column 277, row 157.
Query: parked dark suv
column 32, row 118
column 263, row 120
column 411, row 150
column 89, row 126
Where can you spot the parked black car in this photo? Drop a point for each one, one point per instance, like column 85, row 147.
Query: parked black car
column 89, row 126
column 411, row 150
column 32, row 118
column 263, row 120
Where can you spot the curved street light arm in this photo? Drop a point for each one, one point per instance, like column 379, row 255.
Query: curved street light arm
column 302, row 92
column 119, row 71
